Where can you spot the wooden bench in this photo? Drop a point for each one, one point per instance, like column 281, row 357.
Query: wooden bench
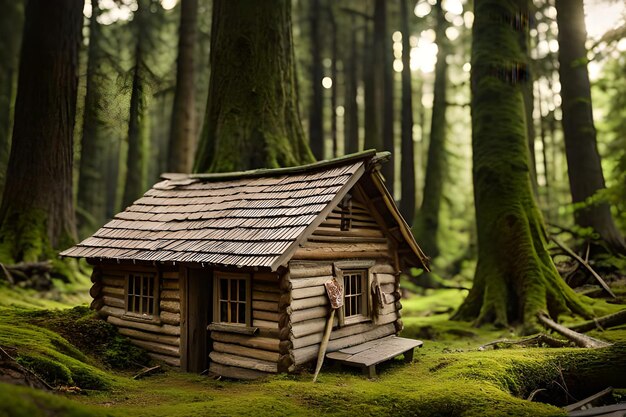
column 367, row 355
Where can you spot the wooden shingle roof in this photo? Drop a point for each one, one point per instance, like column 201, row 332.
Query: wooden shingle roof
column 250, row 218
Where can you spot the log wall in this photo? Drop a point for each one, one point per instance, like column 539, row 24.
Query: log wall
column 312, row 265
column 160, row 337
column 246, row 356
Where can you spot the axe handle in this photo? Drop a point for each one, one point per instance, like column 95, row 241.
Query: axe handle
column 324, row 344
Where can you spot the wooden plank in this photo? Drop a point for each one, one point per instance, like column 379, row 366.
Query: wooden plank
column 113, row 291
column 151, row 337
column 169, row 360
column 198, row 293
column 154, row 328
column 304, row 303
column 377, row 351
column 265, row 296
column 265, row 315
column 375, row 333
column 161, row 349
column 321, row 254
column 170, row 318
column 256, row 342
column 265, row 287
column 386, row 278
column 308, row 314
column 312, row 339
column 308, row 327
column 170, row 275
column 309, row 269
column 171, row 295
column 265, row 306
column 173, row 306
column 383, row 268
column 114, row 302
column 335, row 231
column 113, row 281
column 234, row 372
column 265, row 276
column 248, row 352
column 265, row 324
column 232, row 328
column 243, row 362
column 298, row 293
column 310, row 282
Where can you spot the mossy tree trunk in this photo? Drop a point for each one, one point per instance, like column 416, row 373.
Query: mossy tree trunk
column 427, row 220
column 91, row 210
column 407, row 166
column 515, row 277
column 351, row 129
column 252, row 118
column 383, row 67
column 11, row 22
column 585, row 168
column 334, row 75
column 316, row 108
column 182, row 135
column 139, row 119
column 37, row 212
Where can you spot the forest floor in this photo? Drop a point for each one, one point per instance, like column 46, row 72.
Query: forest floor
column 449, row 376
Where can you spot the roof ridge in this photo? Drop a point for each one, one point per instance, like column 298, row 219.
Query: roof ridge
column 371, row 154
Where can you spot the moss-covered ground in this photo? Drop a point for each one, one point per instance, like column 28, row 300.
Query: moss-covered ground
column 449, row 376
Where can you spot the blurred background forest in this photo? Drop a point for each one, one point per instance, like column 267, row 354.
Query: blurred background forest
column 392, row 75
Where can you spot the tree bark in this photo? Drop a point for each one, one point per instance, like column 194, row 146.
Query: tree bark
column 334, row 76
column 252, row 116
column 383, row 64
column 316, row 109
column 37, row 212
column 427, row 222
column 407, row 167
column 583, row 160
column 91, row 210
column 515, row 277
column 351, row 121
column 371, row 91
column 11, row 23
column 182, row 136
column 139, row 120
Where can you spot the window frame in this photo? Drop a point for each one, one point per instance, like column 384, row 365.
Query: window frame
column 218, row 276
column 363, row 267
column 156, row 289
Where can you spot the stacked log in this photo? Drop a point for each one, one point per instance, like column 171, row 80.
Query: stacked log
column 160, row 337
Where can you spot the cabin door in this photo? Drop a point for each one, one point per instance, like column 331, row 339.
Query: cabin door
column 199, row 303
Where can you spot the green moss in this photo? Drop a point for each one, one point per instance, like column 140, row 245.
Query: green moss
column 51, row 371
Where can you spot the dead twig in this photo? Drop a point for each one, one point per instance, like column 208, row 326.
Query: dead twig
column 529, row 341
column 604, row 322
column 147, row 371
column 585, row 264
column 579, row 339
column 591, row 398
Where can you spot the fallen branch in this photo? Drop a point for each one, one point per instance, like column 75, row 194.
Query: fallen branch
column 585, row 264
column 580, row 340
column 583, row 402
column 5, row 356
column 147, row 371
column 533, row 340
column 601, row 323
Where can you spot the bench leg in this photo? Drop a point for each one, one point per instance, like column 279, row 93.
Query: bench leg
column 408, row 356
column 370, row 371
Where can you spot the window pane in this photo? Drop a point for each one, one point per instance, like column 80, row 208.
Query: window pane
column 233, row 289
column 242, row 313
column 223, row 311
column 233, row 312
column 224, row 289
column 242, row 289
column 131, row 285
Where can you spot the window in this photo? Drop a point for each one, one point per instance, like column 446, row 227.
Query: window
column 232, row 293
column 355, row 294
column 141, row 296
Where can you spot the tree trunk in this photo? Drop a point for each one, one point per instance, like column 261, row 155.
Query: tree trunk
column 37, row 212
column 138, row 134
column 515, row 277
column 182, row 135
column 139, row 116
column 529, row 104
column 91, row 210
column 252, row 116
column 427, row 221
column 372, row 122
column 407, row 167
column 583, row 160
column 316, row 110
column 11, row 23
column 333, row 75
column 383, row 64
column 351, row 121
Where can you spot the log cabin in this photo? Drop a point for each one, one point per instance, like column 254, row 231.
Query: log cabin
column 227, row 271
